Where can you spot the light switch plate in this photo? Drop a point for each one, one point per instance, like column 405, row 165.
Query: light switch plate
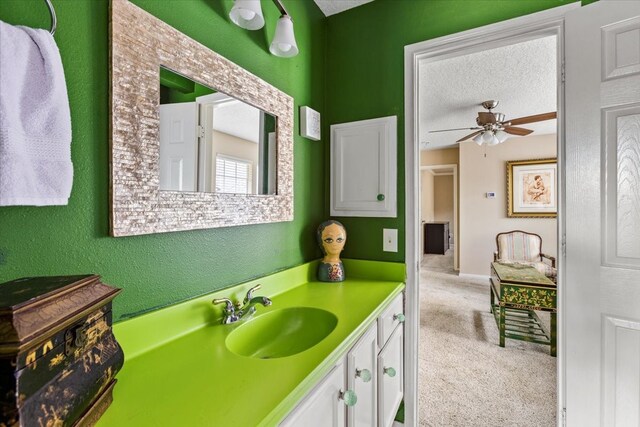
column 310, row 123
column 390, row 239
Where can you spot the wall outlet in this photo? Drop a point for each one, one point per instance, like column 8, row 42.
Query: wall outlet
column 390, row 239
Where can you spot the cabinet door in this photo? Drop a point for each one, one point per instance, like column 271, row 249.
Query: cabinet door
column 363, row 168
column 362, row 379
column 390, row 319
column 322, row 407
column 390, row 378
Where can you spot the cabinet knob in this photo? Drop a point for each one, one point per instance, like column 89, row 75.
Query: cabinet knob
column 364, row 374
column 399, row 317
column 380, row 197
column 349, row 397
column 389, row 371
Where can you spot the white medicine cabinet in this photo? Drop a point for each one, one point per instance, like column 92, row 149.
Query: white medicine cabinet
column 364, row 168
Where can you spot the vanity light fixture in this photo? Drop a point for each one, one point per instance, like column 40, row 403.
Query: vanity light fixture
column 248, row 14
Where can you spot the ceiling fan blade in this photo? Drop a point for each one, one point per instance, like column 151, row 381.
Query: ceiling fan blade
column 485, row 117
column 471, row 135
column 517, row 131
column 449, row 130
column 534, row 118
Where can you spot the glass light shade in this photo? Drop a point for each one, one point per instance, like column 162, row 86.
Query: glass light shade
column 284, row 41
column 487, row 136
column 494, row 141
column 478, row 139
column 247, row 14
column 502, row 136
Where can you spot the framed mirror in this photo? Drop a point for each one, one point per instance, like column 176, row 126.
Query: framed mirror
column 196, row 140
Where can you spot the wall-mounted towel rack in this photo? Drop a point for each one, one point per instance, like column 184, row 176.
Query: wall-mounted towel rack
column 54, row 20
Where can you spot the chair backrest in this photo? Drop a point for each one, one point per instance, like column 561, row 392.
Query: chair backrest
column 519, row 245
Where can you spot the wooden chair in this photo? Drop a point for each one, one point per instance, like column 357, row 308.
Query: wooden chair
column 521, row 247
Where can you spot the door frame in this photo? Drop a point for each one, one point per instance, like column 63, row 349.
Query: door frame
column 454, row 167
column 528, row 27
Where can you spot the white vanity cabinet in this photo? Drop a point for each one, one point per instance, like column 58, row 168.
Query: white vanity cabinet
column 363, row 168
column 371, row 371
column 390, row 378
column 323, row 406
column 362, row 379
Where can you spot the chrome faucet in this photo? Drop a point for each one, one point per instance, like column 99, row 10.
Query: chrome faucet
column 233, row 313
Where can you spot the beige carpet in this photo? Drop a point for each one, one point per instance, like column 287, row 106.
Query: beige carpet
column 466, row 378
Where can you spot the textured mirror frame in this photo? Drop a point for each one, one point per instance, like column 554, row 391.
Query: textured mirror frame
column 140, row 44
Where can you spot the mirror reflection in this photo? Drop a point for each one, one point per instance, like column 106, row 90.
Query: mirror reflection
column 212, row 142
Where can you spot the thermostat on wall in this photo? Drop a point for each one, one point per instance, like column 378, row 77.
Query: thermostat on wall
column 491, row 195
column 309, row 123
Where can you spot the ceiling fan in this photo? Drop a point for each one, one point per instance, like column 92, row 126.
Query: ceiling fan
column 492, row 127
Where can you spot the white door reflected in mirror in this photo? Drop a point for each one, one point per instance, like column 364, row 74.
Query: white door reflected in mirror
column 212, row 142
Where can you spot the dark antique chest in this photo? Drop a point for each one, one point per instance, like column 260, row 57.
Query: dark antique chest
column 58, row 355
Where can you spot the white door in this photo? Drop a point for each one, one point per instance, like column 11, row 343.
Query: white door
column 363, row 168
column 323, row 406
column 362, row 379
column 602, row 310
column 178, row 146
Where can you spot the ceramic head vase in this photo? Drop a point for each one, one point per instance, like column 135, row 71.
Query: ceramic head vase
column 331, row 238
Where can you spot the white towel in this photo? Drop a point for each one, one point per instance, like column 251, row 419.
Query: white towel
column 35, row 123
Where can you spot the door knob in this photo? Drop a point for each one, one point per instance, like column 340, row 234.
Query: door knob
column 364, row 374
column 390, row 371
column 349, row 397
column 399, row 317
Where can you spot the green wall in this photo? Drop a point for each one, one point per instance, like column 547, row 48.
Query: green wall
column 156, row 270
column 350, row 67
column 365, row 79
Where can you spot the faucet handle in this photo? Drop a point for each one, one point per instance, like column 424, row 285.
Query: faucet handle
column 229, row 304
column 250, row 293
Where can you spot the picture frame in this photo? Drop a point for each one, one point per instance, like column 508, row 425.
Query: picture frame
column 532, row 188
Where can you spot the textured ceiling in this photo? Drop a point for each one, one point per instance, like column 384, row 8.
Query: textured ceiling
column 331, row 7
column 521, row 76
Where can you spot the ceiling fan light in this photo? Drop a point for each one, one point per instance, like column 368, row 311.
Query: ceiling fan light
column 487, row 136
column 247, row 14
column 494, row 141
column 502, row 136
column 478, row 139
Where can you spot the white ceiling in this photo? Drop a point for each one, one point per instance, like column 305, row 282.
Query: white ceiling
column 331, row 7
column 521, row 76
column 233, row 116
column 238, row 119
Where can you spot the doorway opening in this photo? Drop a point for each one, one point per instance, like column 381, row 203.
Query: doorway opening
column 439, row 214
column 463, row 376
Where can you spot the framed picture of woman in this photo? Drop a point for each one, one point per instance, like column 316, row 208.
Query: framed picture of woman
column 532, row 188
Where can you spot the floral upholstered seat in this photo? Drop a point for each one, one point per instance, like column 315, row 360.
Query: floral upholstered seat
column 524, row 248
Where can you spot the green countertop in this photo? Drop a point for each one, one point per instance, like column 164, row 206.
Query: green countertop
column 178, row 371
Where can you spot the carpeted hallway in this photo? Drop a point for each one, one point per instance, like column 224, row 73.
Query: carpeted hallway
column 466, row 379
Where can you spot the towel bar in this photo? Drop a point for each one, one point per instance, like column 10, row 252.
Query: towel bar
column 54, row 20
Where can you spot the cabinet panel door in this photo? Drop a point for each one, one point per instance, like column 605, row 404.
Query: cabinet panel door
column 362, row 378
column 322, row 407
column 389, row 320
column 390, row 378
column 363, row 168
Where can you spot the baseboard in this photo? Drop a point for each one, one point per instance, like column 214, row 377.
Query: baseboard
column 397, row 424
column 473, row 276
